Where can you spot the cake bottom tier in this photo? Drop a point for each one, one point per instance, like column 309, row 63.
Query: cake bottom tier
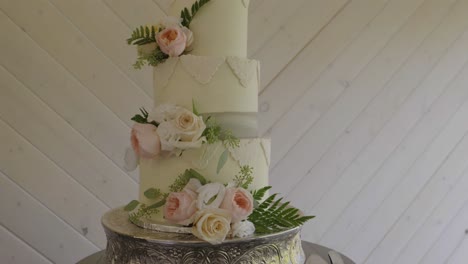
column 162, row 172
column 128, row 243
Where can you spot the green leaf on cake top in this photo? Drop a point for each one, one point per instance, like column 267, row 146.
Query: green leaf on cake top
column 171, row 38
column 187, row 15
column 142, row 35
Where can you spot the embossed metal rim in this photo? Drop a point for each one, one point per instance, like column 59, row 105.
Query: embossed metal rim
column 124, row 227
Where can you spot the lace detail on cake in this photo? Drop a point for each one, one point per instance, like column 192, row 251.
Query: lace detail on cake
column 200, row 67
column 208, row 153
column 163, row 72
column 247, row 151
column 243, row 69
column 165, row 5
column 246, row 3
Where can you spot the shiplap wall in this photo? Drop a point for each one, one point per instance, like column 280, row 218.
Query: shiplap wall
column 366, row 102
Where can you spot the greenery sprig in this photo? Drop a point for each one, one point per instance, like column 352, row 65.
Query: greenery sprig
column 143, row 118
column 152, row 59
column 142, row 35
column 244, row 178
column 187, row 15
column 272, row 215
column 184, row 178
column 214, row 133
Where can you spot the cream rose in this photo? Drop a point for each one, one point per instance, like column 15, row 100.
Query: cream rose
column 191, row 126
column 210, row 195
column 172, row 41
column 242, row 229
column 180, row 207
column 163, row 113
column 239, row 202
column 170, row 137
column 212, row 225
column 145, row 140
column 178, row 127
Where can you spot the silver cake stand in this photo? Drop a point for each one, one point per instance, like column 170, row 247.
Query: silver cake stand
column 128, row 243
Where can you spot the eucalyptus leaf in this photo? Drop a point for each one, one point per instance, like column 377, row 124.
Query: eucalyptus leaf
column 152, row 193
column 194, row 108
column 131, row 205
column 222, row 161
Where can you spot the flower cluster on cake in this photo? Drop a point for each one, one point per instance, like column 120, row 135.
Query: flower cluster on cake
column 195, row 171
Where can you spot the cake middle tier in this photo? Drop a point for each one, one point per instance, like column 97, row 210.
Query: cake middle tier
column 216, row 85
column 162, row 172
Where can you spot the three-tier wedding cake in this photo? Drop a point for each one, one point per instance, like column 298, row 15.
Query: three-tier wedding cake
column 203, row 169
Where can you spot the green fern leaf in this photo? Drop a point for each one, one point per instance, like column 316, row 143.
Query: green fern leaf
column 272, row 215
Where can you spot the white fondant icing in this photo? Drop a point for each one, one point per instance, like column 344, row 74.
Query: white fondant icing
column 246, row 3
column 165, row 71
column 208, row 153
column 217, row 32
column 201, row 68
column 165, row 5
column 244, row 69
column 247, row 151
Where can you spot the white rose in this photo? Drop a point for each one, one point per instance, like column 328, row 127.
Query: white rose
column 212, row 225
column 193, row 185
column 190, row 125
column 210, row 195
column 243, row 229
column 171, row 138
column 168, row 135
column 163, row 112
column 171, row 21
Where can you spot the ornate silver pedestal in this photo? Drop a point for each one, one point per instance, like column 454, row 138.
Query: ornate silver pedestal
column 128, row 243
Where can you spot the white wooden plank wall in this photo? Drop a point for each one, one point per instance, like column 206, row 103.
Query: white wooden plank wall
column 366, row 102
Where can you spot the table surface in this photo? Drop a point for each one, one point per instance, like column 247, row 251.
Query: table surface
column 311, row 250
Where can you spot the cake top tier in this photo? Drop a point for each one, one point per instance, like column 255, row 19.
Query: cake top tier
column 219, row 28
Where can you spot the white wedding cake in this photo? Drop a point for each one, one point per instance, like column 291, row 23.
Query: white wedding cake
column 203, row 168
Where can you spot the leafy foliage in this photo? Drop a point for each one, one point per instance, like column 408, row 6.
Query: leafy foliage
column 142, row 35
column 152, row 193
column 152, row 59
column 222, row 160
column 260, row 193
column 244, row 178
column 214, row 133
column 184, row 178
column 274, row 216
column 187, row 15
column 143, row 118
column 131, row 205
column 143, row 211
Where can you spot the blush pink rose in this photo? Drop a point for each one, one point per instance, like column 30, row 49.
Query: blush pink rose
column 145, row 140
column 180, row 207
column 172, row 41
column 239, row 202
